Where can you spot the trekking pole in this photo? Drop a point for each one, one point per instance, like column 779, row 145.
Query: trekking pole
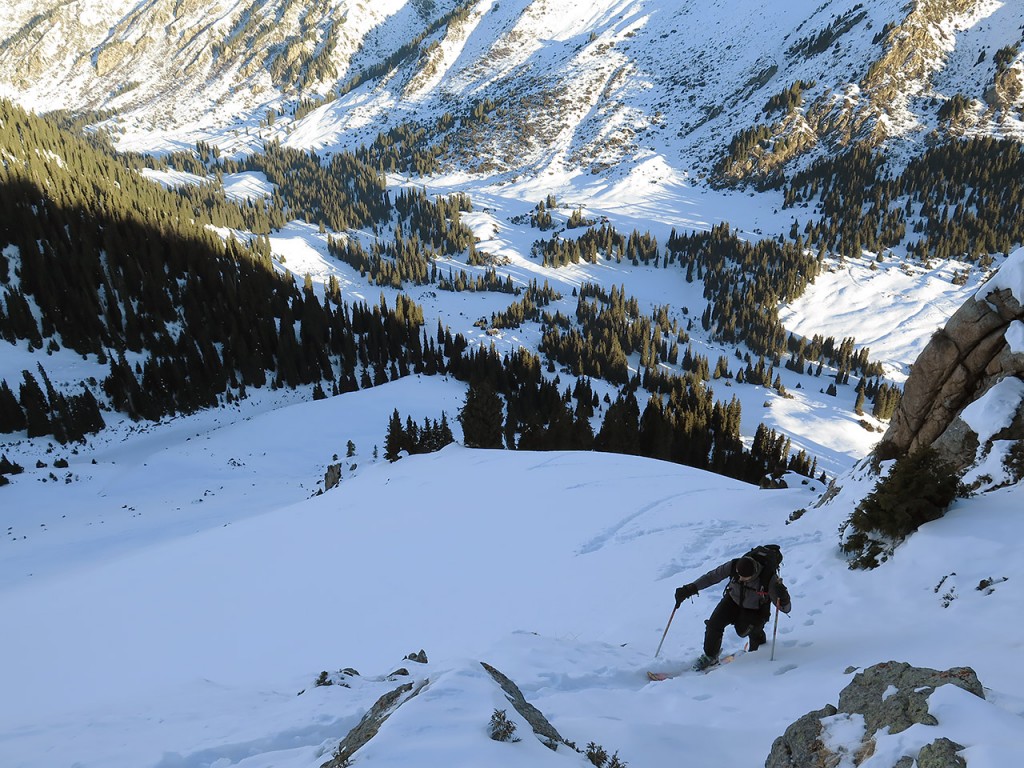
column 775, row 632
column 671, row 616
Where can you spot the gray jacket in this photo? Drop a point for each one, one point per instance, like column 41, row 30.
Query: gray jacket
column 749, row 594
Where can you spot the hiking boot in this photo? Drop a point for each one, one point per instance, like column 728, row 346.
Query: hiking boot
column 757, row 639
column 704, row 662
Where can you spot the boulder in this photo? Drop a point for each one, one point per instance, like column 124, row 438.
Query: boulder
column 888, row 697
column 332, row 477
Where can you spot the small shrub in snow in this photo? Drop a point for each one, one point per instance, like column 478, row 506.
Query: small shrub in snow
column 919, row 488
column 502, row 729
column 596, row 754
column 1014, row 462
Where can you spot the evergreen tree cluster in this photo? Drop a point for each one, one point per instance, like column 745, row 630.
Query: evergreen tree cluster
column 529, row 308
column 540, row 216
column 412, row 438
column 604, row 241
column 409, row 148
column 342, row 193
column 487, row 282
column 690, row 427
column 683, row 423
column 790, row 99
column 437, row 223
column 406, row 260
column 885, row 398
column 577, row 220
column 97, row 260
column 607, row 334
column 822, row 40
column 42, row 410
column 454, row 18
column 744, row 283
column 304, row 60
column 842, row 356
column 960, row 199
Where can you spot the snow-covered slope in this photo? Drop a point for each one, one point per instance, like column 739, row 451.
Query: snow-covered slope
column 170, row 591
column 166, row 603
column 532, row 84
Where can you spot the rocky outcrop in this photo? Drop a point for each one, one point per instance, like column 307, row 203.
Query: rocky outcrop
column 881, row 701
column 544, row 730
column 370, row 724
column 389, row 703
column 981, row 346
column 332, row 477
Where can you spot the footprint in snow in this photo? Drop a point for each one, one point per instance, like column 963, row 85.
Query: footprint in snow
column 785, row 669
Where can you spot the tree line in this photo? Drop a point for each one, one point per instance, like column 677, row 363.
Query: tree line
column 960, row 199
column 527, row 411
column 99, row 261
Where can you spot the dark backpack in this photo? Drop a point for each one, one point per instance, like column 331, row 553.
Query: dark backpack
column 770, row 558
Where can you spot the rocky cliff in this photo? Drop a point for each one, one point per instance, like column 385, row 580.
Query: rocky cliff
column 965, row 393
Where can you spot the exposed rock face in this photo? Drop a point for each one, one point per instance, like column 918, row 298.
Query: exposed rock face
column 370, row 724
column 388, row 704
column 332, row 477
column 540, row 725
column 978, row 348
column 888, row 697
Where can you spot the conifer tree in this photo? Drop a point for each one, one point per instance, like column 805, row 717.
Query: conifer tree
column 33, row 402
column 620, row 430
column 482, row 417
column 395, row 441
column 12, row 417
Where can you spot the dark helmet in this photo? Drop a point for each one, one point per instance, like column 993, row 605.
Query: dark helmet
column 746, row 567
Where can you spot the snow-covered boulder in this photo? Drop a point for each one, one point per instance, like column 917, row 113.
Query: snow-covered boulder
column 889, row 712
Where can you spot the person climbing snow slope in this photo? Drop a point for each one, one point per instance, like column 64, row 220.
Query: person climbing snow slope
column 754, row 587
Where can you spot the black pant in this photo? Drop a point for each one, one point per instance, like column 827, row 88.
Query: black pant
column 748, row 622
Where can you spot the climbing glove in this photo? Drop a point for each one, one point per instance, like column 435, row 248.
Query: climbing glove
column 683, row 592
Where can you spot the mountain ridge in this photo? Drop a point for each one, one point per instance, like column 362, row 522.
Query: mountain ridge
column 576, row 85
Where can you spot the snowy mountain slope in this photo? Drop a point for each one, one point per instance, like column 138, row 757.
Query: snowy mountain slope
column 195, row 64
column 583, row 86
column 893, row 309
column 175, row 586
column 186, row 647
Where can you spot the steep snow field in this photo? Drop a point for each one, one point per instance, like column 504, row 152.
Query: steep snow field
column 166, row 603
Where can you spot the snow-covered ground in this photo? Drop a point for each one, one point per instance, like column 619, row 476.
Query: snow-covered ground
column 170, row 598
column 168, row 595
column 173, row 593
